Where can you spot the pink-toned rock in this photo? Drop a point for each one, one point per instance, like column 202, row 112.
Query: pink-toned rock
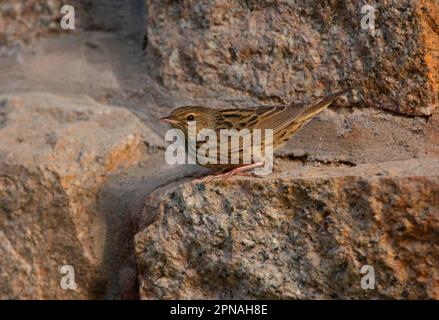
column 295, row 51
column 27, row 21
column 303, row 233
column 24, row 20
column 56, row 153
column 74, row 173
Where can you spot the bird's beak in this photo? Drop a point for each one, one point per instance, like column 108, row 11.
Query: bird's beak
column 167, row 120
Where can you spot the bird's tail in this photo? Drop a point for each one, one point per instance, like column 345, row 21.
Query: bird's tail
column 311, row 111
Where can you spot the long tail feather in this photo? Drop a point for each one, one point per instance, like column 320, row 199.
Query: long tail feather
column 314, row 109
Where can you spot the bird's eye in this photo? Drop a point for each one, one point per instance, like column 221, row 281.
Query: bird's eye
column 190, row 117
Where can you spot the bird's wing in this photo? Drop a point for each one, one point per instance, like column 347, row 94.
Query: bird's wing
column 277, row 117
column 274, row 117
column 280, row 118
column 284, row 120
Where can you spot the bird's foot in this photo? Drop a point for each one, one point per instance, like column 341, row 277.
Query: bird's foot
column 240, row 170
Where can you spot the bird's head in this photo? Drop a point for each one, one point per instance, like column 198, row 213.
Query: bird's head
column 204, row 117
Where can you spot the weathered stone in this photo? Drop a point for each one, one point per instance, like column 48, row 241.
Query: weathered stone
column 55, row 155
column 121, row 199
column 300, row 50
column 24, row 20
column 304, row 232
column 364, row 136
column 74, row 173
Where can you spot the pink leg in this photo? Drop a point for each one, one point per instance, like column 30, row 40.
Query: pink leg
column 233, row 171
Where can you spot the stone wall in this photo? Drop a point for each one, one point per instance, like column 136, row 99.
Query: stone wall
column 302, row 233
column 56, row 153
column 83, row 180
column 294, row 51
column 357, row 186
column 25, row 21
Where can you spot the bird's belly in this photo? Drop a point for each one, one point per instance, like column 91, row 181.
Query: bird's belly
column 250, row 155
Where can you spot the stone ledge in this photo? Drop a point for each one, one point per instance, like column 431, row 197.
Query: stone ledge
column 56, row 154
column 300, row 233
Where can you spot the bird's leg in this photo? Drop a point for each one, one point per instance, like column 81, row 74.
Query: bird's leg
column 234, row 171
column 209, row 176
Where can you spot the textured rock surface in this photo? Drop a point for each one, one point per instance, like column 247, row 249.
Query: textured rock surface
column 365, row 136
column 304, row 232
column 24, row 20
column 74, row 173
column 298, row 50
column 55, row 155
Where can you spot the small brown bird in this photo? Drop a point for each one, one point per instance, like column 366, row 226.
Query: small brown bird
column 285, row 121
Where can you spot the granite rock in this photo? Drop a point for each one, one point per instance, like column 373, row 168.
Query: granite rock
column 296, row 51
column 303, row 233
column 56, row 153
